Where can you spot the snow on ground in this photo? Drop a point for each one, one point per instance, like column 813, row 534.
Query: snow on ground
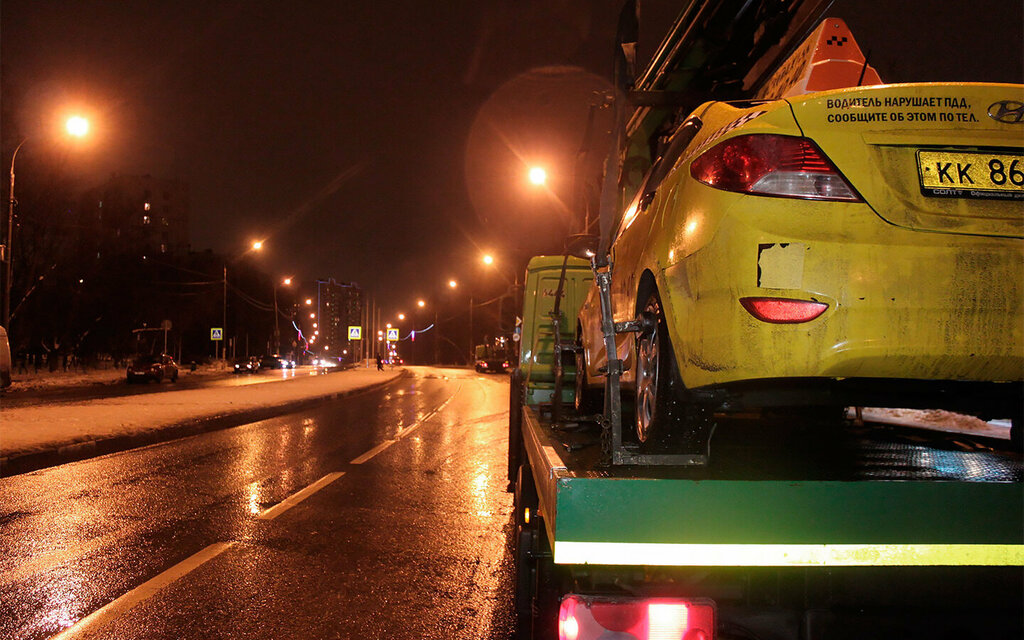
column 41, row 428
column 38, row 380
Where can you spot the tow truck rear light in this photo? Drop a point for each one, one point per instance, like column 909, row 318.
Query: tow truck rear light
column 783, row 310
column 596, row 617
column 772, row 165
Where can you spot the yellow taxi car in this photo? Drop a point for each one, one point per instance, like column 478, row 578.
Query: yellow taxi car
column 859, row 246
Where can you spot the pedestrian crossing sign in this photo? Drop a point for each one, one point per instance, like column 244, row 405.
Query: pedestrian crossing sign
column 392, row 335
column 216, row 333
column 355, row 333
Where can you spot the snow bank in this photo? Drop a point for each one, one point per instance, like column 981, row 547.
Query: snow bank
column 41, row 428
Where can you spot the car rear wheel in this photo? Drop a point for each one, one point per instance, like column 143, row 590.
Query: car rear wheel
column 588, row 400
column 657, row 379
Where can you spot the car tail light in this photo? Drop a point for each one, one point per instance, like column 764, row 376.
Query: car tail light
column 783, row 310
column 590, row 618
column 772, row 165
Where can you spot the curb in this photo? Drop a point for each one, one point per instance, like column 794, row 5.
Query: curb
column 24, row 463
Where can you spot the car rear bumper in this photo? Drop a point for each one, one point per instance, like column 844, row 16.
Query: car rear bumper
column 902, row 304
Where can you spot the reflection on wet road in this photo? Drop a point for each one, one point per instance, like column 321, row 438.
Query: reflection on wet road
column 380, row 515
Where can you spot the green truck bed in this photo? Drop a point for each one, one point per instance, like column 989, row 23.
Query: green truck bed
column 862, row 500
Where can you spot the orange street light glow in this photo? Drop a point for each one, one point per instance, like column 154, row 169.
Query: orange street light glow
column 309, row 301
column 538, row 175
column 452, row 284
column 257, row 245
column 77, row 126
column 488, row 259
column 286, row 281
column 401, row 316
column 421, row 304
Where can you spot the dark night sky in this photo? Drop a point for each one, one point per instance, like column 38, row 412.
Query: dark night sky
column 339, row 131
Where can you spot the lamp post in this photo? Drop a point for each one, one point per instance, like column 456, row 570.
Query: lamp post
column 77, row 127
column 256, row 245
column 277, row 328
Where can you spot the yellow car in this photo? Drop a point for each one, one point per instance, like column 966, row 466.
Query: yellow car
column 859, row 246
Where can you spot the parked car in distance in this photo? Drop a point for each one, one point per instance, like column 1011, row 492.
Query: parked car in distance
column 276, row 362
column 247, row 365
column 152, row 367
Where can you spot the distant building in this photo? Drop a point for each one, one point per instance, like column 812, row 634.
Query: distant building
column 340, row 306
column 135, row 215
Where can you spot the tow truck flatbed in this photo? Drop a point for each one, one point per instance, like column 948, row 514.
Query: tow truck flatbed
column 900, row 503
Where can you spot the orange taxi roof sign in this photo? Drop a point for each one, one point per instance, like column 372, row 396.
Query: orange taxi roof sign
column 828, row 59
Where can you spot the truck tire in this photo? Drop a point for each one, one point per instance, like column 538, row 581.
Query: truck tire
column 525, row 552
column 515, row 427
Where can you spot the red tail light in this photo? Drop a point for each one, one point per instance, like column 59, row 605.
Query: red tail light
column 772, row 165
column 590, row 618
column 783, row 310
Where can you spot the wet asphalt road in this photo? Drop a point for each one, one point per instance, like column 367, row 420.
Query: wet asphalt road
column 405, row 535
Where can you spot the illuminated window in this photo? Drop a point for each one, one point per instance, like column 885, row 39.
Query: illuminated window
column 146, row 206
column 146, row 220
column 163, row 248
column 164, row 221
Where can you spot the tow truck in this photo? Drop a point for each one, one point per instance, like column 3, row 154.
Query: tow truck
column 789, row 530
column 784, row 529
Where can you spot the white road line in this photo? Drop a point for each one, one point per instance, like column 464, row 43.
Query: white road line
column 404, row 432
column 372, row 452
column 144, row 591
column 299, row 496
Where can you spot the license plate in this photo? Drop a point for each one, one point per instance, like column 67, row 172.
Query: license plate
column 961, row 174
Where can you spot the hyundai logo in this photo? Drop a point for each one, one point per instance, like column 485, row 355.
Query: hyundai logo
column 1009, row 111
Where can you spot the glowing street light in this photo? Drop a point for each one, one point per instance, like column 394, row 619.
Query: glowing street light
column 286, row 282
column 452, row 284
column 257, row 245
column 538, row 175
column 77, row 126
column 401, row 316
column 488, row 259
column 421, row 304
column 309, row 301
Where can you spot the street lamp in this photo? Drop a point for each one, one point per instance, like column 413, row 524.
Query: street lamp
column 537, row 175
column 76, row 126
column 277, row 329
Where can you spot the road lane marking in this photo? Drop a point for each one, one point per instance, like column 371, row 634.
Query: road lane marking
column 372, row 452
column 144, row 591
column 404, row 432
column 299, row 496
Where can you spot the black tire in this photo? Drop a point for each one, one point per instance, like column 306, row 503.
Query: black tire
column 658, row 384
column 588, row 401
column 515, row 427
column 527, row 539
